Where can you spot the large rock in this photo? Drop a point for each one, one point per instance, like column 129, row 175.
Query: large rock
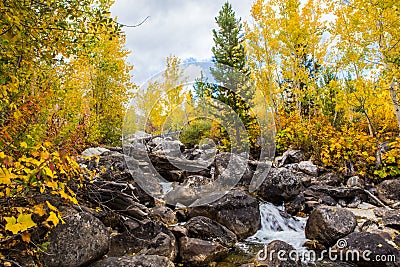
column 236, row 210
column 371, row 248
column 145, row 237
column 82, row 239
column 238, row 167
column 163, row 214
column 327, row 224
column 391, row 219
column 197, row 252
column 281, row 185
column 331, row 179
column 207, row 229
column 139, row 261
column 389, row 191
column 342, row 192
column 291, row 156
column 172, row 148
column 278, row 254
column 308, row 168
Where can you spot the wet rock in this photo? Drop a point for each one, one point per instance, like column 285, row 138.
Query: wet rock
column 277, row 254
column 296, row 205
column 146, row 237
column 328, row 224
column 281, row 185
column 236, row 210
column 389, row 191
column 129, row 261
column 370, row 247
column 197, row 252
column 81, row 240
column 391, row 219
column 207, row 229
column 163, row 214
column 291, row 156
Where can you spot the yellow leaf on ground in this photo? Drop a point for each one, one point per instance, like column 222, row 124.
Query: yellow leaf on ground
column 51, row 207
column 26, row 236
column 23, row 145
column 53, row 218
column 38, row 209
column 22, row 223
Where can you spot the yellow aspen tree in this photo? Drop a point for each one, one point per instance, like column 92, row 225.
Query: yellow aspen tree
column 286, row 50
column 369, row 46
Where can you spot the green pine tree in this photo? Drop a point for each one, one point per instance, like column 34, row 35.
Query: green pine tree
column 231, row 74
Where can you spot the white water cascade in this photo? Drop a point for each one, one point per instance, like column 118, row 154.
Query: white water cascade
column 274, row 226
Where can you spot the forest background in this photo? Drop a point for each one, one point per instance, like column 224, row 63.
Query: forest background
column 329, row 70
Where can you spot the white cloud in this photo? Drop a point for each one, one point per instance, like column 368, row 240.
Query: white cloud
column 179, row 27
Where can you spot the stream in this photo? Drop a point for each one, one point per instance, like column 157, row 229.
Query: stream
column 275, row 225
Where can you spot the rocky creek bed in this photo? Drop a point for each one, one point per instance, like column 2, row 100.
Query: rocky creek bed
column 299, row 206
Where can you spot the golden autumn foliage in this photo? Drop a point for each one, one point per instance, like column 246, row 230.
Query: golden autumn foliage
column 64, row 84
column 329, row 69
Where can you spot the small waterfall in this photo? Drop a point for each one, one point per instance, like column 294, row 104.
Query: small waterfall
column 277, row 226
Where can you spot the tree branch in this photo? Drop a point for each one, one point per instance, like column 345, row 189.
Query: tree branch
column 133, row 26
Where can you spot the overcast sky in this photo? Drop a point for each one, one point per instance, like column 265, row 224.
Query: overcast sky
column 179, row 27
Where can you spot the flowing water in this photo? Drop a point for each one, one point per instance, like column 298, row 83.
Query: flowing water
column 276, row 225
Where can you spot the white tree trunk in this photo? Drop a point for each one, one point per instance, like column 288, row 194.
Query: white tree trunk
column 393, row 95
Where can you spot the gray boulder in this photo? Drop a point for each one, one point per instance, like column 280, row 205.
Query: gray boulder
column 331, row 179
column 81, row 240
column 391, row 219
column 281, row 185
column 308, row 168
column 163, row 214
column 146, row 237
column 327, row 224
column 236, row 210
column 291, row 156
column 280, row 256
column 389, row 191
column 139, row 261
column 204, row 228
column 197, row 252
column 366, row 249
